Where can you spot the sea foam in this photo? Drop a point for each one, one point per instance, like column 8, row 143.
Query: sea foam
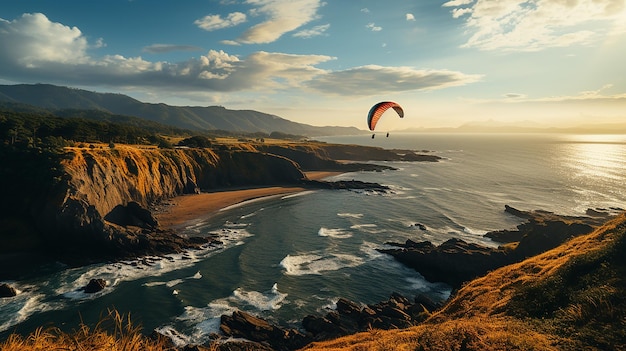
column 314, row 263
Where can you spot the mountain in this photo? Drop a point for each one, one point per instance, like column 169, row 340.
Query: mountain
column 54, row 98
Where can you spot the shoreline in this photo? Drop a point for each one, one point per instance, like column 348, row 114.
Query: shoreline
column 186, row 208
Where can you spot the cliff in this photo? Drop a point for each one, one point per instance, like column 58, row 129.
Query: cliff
column 94, row 205
column 86, row 204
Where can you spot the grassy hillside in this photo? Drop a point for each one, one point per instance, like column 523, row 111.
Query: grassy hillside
column 570, row 298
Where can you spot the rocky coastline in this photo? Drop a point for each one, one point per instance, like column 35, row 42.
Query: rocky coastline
column 104, row 206
column 456, row 261
column 88, row 205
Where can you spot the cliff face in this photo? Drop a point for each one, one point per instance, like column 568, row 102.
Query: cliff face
column 105, row 189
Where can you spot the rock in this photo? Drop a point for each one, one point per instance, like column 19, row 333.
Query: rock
column 132, row 215
column 455, row 261
column 350, row 318
column 7, row 290
column 191, row 187
column 244, row 325
column 94, row 286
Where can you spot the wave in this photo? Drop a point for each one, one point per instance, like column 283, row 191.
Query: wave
column 314, row 263
column 204, row 321
column 336, row 233
column 350, row 215
column 19, row 308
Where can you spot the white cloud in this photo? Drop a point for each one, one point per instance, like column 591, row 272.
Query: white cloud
column 410, row 17
column 212, row 73
column 215, row 22
column 373, row 27
column 33, row 40
column 313, row 32
column 365, row 10
column 520, row 25
column 457, row 3
column 375, row 80
column 282, row 16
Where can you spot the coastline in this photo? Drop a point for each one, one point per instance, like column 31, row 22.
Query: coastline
column 185, row 208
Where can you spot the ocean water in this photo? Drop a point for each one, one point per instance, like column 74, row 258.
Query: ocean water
column 288, row 256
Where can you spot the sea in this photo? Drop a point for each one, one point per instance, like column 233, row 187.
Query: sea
column 285, row 257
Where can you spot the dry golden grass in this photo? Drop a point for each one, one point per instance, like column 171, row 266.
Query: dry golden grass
column 115, row 332
column 463, row 334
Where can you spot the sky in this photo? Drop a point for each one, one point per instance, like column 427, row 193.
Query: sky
column 325, row 63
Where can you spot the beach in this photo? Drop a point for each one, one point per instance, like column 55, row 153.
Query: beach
column 185, row 208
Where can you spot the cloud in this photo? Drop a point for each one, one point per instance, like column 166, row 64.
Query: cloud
column 365, row 10
column 520, row 25
column 32, row 40
column 514, row 96
column 165, row 48
column 215, row 22
column 376, row 80
column 410, row 17
column 31, row 59
column 282, row 16
column 313, row 32
column 373, row 27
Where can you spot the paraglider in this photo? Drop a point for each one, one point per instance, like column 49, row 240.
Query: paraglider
column 377, row 111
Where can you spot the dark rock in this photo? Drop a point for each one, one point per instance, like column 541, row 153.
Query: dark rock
column 191, row 187
column 94, row 286
column 350, row 318
column 456, row 261
column 244, row 325
column 132, row 215
column 452, row 262
column 7, row 290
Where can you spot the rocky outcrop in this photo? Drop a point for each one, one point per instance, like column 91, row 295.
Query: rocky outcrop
column 7, row 290
column 456, row 261
column 453, row 262
column 94, row 286
column 316, row 155
column 348, row 318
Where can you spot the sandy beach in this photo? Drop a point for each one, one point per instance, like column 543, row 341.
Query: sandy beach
column 186, row 208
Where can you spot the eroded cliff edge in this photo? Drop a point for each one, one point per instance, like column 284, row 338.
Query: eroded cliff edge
column 90, row 204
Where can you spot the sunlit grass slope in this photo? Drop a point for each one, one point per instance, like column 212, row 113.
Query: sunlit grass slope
column 570, row 298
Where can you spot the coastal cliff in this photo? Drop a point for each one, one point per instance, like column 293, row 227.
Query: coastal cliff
column 84, row 204
column 96, row 204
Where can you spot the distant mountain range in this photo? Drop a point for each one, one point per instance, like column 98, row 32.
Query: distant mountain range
column 56, row 98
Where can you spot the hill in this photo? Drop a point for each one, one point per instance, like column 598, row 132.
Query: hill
column 55, row 98
column 568, row 298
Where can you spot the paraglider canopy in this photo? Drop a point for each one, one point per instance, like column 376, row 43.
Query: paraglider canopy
column 377, row 111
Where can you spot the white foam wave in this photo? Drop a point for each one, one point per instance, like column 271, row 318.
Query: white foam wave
column 300, row 193
column 318, row 263
column 336, row 233
column 206, row 320
column 115, row 273
column 174, row 282
column 267, row 301
column 350, row 215
column 19, row 308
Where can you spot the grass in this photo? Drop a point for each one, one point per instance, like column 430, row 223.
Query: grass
column 114, row 332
